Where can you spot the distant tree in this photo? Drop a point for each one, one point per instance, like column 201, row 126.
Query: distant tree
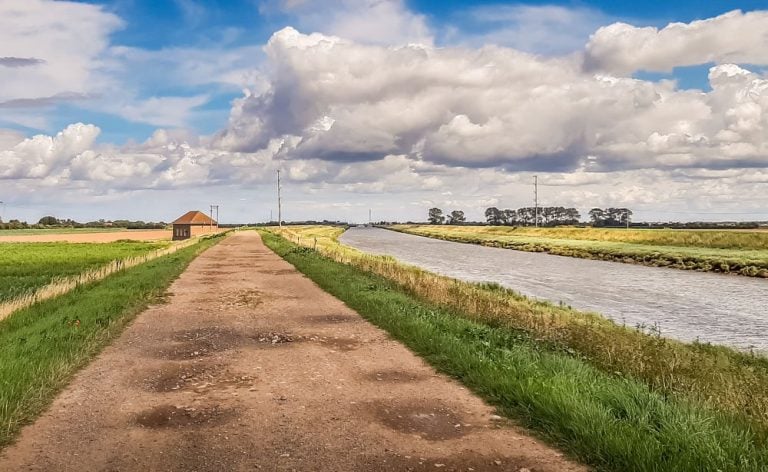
column 456, row 217
column 509, row 217
column 494, row 216
column 436, row 216
column 597, row 216
column 48, row 221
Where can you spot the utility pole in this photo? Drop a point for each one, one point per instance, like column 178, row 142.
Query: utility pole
column 369, row 217
column 279, row 202
column 270, row 216
column 214, row 207
column 536, row 200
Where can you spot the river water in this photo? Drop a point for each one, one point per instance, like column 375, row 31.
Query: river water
column 721, row 309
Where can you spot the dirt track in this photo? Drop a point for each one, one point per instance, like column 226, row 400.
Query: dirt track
column 104, row 237
column 250, row 366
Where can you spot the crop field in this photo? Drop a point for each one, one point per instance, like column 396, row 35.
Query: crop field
column 25, row 267
column 735, row 252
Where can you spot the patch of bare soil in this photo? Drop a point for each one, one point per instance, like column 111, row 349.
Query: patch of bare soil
column 195, row 376
column 431, row 420
column 331, row 319
column 395, row 376
column 170, row 416
column 196, row 384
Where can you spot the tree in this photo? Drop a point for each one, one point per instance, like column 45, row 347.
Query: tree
column 494, row 216
column 436, row 216
column 48, row 221
column 597, row 216
column 510, row 217
column 456, row 217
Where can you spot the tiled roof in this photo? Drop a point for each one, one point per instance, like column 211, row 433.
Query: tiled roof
column 194, row 218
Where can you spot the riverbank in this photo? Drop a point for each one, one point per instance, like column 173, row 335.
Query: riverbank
column 617, row 398
column 729, row 252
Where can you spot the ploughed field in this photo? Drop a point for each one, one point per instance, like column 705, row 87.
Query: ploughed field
column 724, row 251
column 25, row 267
column 77, row 235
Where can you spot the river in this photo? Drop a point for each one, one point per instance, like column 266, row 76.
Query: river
column 716, row 308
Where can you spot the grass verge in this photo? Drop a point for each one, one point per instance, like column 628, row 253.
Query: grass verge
column 734, row 252
column 610, row 422
column 42, row 346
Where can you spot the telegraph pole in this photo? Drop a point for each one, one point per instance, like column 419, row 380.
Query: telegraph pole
column 536, row 200
column 279, row 202
column 369, row 217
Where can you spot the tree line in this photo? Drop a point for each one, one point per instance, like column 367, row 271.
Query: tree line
column 541, row 216
column 53, row 222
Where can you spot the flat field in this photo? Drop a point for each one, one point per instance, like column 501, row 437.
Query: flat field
column 72, row 235
column 736, row 252
column 27, row 266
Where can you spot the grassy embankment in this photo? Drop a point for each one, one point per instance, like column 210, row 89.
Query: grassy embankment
column 25, row 267
column 616, row 398
column 733, row 252
column 42, row 346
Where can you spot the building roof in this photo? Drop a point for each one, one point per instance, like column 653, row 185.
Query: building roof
column 194, row 218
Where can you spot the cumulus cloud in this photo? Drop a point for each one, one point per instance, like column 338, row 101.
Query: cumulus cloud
column 51, row 47
column 733, row 37
column 368, row 21
column 328, row 98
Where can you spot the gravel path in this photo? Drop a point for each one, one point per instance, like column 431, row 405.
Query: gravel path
column 251, row 366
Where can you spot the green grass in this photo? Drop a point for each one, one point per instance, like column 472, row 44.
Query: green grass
column 31, row 231
column 612, row 422
column 27, row 266
column 41, row 347
column 735, row 252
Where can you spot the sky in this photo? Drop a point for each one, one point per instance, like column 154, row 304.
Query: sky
column 145, row 109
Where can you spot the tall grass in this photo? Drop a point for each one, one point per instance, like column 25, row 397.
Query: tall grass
column 742, row 253
column 611, row 421
column 42, row 346
column 715, row 377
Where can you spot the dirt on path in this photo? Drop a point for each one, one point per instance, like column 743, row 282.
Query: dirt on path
column 251, row 366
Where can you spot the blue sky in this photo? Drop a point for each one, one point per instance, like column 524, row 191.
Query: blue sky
column 109, row 106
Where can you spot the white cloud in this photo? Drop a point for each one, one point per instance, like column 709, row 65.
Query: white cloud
column 367, row 21
column 541, row 29
column 62, row 42
column 733, row 37
column 329, row 98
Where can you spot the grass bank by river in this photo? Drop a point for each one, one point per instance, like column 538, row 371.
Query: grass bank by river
column 731, row 252
column 42, row 346
column 615, row 398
